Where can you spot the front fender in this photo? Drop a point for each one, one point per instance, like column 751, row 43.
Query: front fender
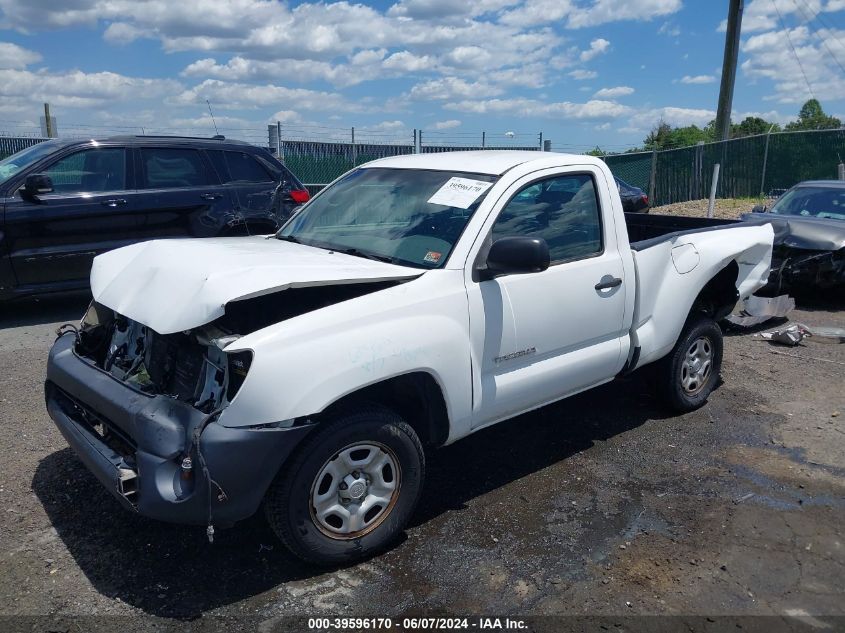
column 302, row 366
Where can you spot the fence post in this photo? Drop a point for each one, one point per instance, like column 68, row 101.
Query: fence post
column 483, row 140
column 280, row 152
column 712, row 203
column 765, row 160
column 541, row 141
column 354, row 149
column 697, row 166
column 653, row 177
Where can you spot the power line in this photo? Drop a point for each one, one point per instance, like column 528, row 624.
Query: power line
column 824, row 22
column 789, row 40
column 817, row 34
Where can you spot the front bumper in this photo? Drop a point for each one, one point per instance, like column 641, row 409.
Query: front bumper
column 134, row 444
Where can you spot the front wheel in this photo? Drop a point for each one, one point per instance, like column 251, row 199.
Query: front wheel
column 349, row 489
column 688, row 374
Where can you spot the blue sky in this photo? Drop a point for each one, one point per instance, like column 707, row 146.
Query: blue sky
column 582, row 72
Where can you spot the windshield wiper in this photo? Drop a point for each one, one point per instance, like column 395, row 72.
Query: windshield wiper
column 364, row 254
column 288, row 238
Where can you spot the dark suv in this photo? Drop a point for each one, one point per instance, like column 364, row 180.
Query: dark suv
column 63, row 202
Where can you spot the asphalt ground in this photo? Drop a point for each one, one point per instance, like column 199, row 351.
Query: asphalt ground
column 602, row 504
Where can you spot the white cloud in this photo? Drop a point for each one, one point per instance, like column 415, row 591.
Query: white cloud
column 645, row 119
column 447, row 125
column 605, row 11
column 594, row 109
column 769, row 57
column 581, row 75
column 597, row 47
column 407, row 62
column 452, row 88
column 762, row 15
column 247, row 96
column 14, row 56
column 612, row 93
column 77, row 89
column 698, row 79
column 534, row 12
column 285, row 116
column 669, row 29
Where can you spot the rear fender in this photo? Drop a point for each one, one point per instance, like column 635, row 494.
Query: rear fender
column 672, row 274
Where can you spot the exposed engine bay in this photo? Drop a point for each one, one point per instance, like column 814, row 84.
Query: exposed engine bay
column 189, row 366
column 193, row 366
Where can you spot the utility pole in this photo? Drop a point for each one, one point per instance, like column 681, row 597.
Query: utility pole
column 48, row 122
column 726, row 90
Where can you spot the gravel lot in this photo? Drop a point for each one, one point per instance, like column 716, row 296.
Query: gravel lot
column 601, row 504
column 724, row 209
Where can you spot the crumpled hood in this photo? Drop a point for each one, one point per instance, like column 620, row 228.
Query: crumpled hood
column 178, row 284
column 814, row 234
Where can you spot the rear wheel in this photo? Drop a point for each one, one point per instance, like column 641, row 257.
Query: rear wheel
column 350, row 489
column 689, row 373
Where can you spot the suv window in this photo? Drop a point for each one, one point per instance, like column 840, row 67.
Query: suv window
column 166, row 168
column 562, row 210
column 90, row 170
column 240, row 167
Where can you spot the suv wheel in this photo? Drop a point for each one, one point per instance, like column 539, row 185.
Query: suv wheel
column 350, row 488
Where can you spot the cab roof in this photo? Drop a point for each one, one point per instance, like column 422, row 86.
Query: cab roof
column 490, row 162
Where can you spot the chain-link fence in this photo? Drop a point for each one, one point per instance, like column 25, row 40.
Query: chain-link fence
column 748, row 167
column 318, row 163
column 11, row 144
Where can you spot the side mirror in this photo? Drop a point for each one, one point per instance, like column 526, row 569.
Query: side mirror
column 516, row 255
column 759, row 209
column 36, row 185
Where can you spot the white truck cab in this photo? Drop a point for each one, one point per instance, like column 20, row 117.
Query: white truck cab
column 413, row 301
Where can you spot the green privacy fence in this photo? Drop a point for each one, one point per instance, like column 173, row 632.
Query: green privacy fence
column 748, row 166
column 318, row 163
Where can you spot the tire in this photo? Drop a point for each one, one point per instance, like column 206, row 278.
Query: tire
column 323, row 523
column 688, row 374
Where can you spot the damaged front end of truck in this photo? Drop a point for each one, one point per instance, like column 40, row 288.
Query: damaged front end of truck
column 139, row 399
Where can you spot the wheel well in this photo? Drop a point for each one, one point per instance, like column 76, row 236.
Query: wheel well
column 719, row 295
column 249, row 228
column 416, row 397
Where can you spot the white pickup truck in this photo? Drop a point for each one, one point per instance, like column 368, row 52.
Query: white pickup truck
column 415, row 300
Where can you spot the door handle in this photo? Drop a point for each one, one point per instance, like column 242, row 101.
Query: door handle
column 211, row 196
column 610, row 283
column 113, row 202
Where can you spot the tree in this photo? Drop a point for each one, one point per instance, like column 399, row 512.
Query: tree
column 813, row 117
column 664, row 136
column 596, row 151
column 752, row 125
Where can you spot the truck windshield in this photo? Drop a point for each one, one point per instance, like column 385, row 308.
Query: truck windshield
column 411, row 217
column 11, row 165
column 817, row 202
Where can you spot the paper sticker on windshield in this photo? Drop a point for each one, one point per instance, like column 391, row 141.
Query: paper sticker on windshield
column 459, row 192
column 432, row 257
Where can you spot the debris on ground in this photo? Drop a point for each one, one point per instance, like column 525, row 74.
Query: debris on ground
column 794, row 333
column 756, row 310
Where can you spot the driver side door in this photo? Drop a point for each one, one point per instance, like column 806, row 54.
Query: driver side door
column 56, row 237
column 538, row 337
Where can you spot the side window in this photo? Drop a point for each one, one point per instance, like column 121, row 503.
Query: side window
column 245, row 168
column 90, row 171
column 562, row 210
column 167, row 168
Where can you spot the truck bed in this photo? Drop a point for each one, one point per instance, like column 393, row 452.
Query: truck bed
column 646, row 230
